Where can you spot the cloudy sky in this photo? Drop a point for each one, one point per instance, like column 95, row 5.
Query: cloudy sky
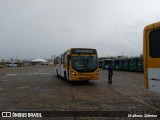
column 41, row 28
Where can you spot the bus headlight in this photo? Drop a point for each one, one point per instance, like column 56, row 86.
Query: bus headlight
column 73, row 73
column 97, row 72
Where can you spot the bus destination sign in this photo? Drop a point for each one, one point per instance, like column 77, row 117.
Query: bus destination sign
column 84, row 51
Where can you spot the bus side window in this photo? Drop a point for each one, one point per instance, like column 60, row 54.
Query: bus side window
column 154, row 43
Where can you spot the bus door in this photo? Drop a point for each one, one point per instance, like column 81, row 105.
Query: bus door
column 153, row 59
column 68, row 65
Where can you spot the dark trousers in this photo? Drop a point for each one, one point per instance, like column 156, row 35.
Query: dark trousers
column 110, row 78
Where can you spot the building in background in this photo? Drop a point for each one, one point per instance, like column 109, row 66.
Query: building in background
column 39, row 62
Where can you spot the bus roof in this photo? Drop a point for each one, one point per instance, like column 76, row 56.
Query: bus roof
column 82, row 51
column 151, row 26
column 79, row 48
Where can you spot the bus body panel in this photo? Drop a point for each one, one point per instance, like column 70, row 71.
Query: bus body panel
column 62, row 70
column 84, row 76
column 154, row 79
column 156, row 25
column 151, row 62
column 59, row 66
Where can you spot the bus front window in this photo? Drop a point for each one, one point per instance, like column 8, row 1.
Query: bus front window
column 84, row 63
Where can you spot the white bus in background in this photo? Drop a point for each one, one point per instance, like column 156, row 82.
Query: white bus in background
column 11, row 64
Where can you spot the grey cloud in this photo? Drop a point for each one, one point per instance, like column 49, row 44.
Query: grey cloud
column 39, row 28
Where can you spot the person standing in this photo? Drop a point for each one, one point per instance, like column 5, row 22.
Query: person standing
column 110, row 74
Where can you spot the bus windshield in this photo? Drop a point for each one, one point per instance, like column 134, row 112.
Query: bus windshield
column 84, row 63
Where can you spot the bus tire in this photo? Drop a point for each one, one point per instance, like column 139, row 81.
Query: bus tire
column 87, row 81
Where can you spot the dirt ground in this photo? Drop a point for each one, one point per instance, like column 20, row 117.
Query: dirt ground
column 36, row 88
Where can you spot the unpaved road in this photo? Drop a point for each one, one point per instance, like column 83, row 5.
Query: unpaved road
column 38, row 89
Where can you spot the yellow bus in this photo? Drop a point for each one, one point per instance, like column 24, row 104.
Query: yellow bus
column 151, row 56
column 78, row 64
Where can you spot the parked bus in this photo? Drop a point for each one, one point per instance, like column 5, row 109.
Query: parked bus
column 77, row 64
column 140, row 64
column 11, row 64
column 151, row 56
column 115, row 64
column 105, row 63
column 100, row 63
column 121, row 64
column 126, row 65
column 133, row 64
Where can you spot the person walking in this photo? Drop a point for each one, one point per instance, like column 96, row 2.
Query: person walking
column 110, row 74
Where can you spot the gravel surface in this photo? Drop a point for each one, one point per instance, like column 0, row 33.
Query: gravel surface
column 36, row 88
